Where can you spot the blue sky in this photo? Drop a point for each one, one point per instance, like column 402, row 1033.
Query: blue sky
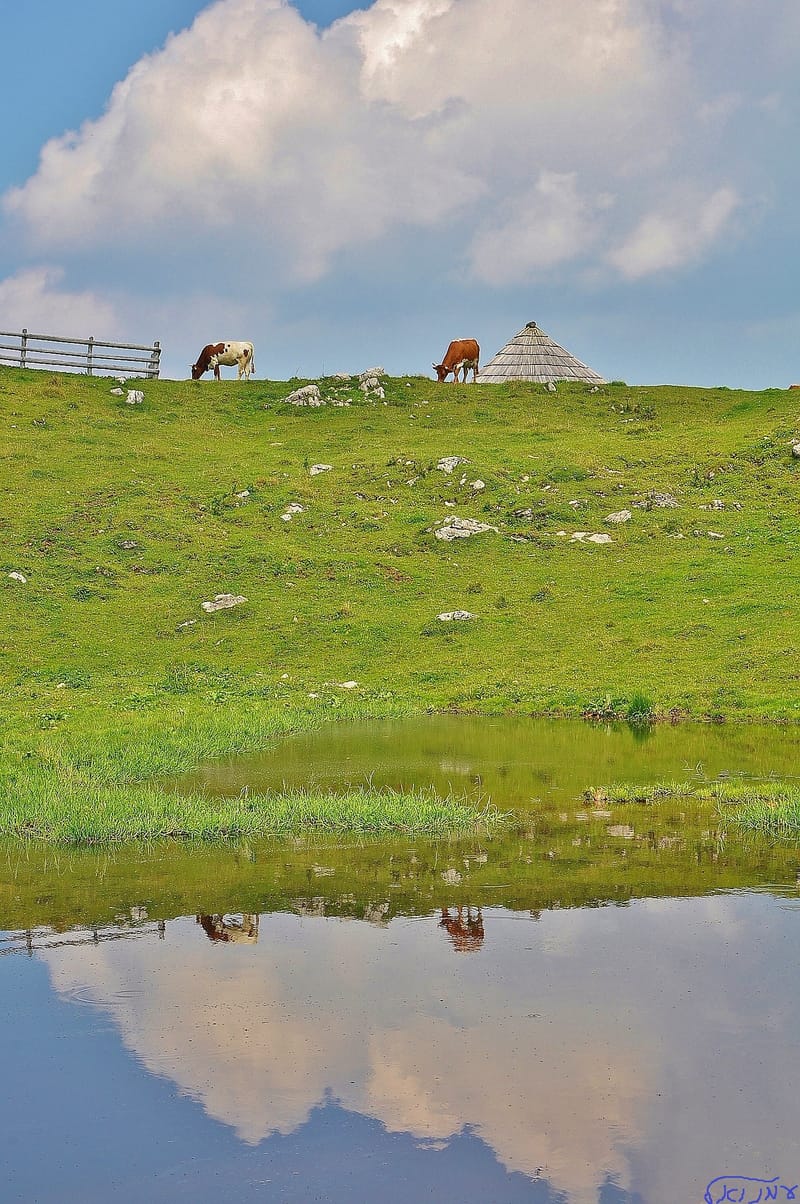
column 350, row 186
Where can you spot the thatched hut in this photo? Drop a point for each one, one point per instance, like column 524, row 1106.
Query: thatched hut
column 532, row 355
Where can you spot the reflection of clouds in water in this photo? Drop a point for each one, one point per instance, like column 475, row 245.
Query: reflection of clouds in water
column 259, row 1034
column 666, row 1035
column 557, row 1100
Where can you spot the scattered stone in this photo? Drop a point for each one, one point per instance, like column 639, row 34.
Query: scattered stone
column 796, row 450
column 551, row 387
column 342, row 376
column 448, row 463
column 309, row 395
column 243, row 495
column 448, row 616
column 371, row 374
column 619, row 516
column 478, row 486
column 222, row 602
column 526, row 513
column 578, row 502
column 290, row 511
column 658, row 501
column 585, row 537
column 128, row 545
column 284, row 676
column 117, row 392
column 461, row 528
column 560, row 532
column 120, row 379
column 594, row 389
column 188, row 623
column 348, row 685
column 714, row 535
column 15, row 576
column 135, row 397
column 316, row 469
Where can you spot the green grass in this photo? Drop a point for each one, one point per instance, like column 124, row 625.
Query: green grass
column 124, row 519
column 770, row 809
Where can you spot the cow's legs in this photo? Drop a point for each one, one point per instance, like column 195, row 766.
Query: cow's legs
column 216, row 372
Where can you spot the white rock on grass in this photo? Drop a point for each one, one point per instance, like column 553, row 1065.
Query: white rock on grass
column 222, row 602
column 309, row 395
column 796, row 450
column 619, row 516
column 478, row 486
column 461, row 528
column 448, row 463
column 135, row 397
column 348, row 685
column 316, row 469
column 585, row 537
column 290, row 511
column 15, row 576
column 448, row 616
column 117, row 392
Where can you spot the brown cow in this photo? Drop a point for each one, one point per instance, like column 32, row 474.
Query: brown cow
column 462, row 353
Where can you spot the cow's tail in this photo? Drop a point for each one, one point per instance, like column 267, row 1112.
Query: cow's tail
column 252, row 358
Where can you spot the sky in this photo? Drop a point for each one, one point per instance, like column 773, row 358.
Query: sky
column 349, row 187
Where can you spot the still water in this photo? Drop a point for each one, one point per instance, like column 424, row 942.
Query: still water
column 591, row 1008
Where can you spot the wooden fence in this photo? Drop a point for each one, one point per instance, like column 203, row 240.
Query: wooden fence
column 53, row 351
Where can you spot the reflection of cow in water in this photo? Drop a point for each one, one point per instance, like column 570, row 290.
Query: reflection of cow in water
column 217, row 928
column 465, row 931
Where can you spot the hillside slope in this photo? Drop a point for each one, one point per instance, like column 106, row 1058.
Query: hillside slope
column 124, row 519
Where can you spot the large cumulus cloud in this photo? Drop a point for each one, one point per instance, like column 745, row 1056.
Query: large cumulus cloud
column 566, row 127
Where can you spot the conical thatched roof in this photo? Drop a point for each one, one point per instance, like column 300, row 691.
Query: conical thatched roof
column 532, row 355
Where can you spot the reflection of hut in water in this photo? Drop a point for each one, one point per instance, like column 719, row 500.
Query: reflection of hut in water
column 464, row 930
column 220, row 928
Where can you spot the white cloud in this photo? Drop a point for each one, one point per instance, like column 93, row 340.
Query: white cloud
column 253, row 133
column 547, row 226
column 33, row 298
column 668, row 239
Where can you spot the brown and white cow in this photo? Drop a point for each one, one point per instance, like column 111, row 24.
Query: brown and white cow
column 228, row 354
column 462, row 353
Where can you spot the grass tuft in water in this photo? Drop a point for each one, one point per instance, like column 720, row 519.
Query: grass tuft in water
column 770, row 809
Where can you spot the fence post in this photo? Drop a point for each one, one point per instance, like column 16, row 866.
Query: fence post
column 155, row 361
column 23, row 347
column 90, row 348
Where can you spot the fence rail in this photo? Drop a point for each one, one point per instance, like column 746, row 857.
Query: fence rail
column 57, row 353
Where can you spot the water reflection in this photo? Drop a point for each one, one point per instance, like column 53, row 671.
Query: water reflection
column 594, row 1054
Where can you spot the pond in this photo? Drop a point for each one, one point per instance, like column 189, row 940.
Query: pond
column 589, row 1007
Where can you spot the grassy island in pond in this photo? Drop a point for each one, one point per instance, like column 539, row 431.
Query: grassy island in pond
column 120, row 521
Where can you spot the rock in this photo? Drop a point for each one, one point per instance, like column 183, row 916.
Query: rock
column 15, row 576
column 222, row 602
column 585, row 537
column 478, row 486
column 461, row 528
column 348, row 685
column 551, row 387
column 127, row 545
column 717, row 504
column 448, row 616
column 135, row 397
column 188, row 623
column 243, row 495
column 309, row 395
column 342, row 376
column 658, row 501
column 117, row 392
column 290, row 511
column 371, row 374
column 120, row 379
column 796, row 450
column 619, row 516
column 578, row 502
column 316, row 469
column 594, row 389
column 448, row 463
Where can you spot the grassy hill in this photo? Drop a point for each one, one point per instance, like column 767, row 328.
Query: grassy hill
column 124, row 519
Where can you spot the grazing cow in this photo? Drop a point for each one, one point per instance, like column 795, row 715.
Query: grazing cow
column 214, row 354
column 462, row 353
